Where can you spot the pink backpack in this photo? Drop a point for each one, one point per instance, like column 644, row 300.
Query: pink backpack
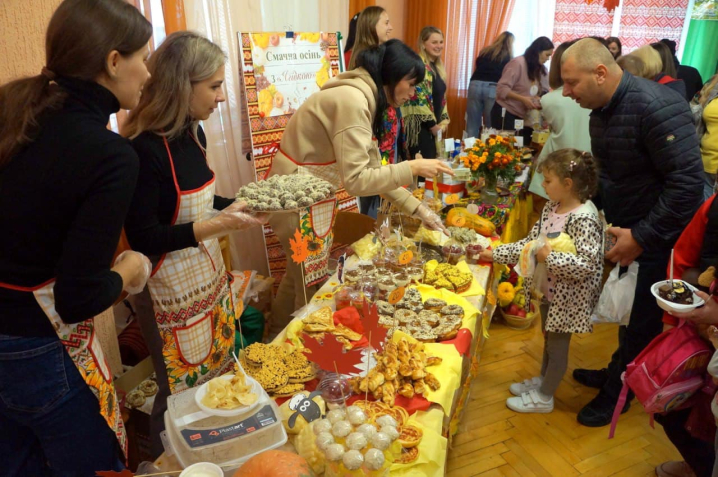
column 666, row 373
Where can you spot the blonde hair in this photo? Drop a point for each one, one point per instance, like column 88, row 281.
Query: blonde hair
column 366, row 36
column 501, row 49
column 182, row 60
column 425, row 34
column 652, row 63
column 632, row 64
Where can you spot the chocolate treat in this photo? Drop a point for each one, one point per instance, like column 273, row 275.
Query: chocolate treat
column 680, row 293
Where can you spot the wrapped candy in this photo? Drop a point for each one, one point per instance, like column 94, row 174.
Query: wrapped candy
column 353, row 459
column 356, row 441
column 336, row 415
column 324, row 439
column 374, row 459
column 387, row 420
column 342, row 429
column 335, row 452
column 356, row 416
column 381, row 441
column 321, row 425
column 390, row 431
column 367, row 429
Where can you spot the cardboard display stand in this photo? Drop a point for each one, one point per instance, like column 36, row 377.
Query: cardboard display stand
column 280, row 70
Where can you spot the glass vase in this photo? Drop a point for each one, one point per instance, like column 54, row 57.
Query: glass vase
column 489, row 194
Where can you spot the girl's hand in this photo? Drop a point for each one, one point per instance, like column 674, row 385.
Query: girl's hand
column 543, row 253
column 486, row 255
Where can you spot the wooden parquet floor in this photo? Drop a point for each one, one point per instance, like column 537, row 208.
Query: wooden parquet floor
column 495, row 441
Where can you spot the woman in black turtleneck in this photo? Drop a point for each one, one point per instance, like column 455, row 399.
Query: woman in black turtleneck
column 65, row 186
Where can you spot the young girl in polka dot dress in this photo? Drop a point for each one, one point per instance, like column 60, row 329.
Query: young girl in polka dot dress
column 573, row 281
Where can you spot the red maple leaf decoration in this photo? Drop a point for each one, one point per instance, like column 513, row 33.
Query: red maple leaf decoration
column 112, row 473
column 372, row 329
column 331, row 355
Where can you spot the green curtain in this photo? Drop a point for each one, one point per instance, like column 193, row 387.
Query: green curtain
column 701, row 50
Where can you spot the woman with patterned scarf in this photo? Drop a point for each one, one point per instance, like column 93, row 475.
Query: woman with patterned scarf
column 426, row 114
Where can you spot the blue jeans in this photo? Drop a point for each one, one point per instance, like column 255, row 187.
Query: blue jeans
column 370, row 205
column 709, row 182
column 50, row 421
column 481, row 98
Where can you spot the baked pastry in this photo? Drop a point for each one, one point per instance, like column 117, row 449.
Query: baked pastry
column 405, row 316
column 434, row 304
column 288, row 390
column 407, row 456
column 384, row 308
column 431, row 318
column 452, row 310
column 410, row 436
column 148, row 387
column 135, row 399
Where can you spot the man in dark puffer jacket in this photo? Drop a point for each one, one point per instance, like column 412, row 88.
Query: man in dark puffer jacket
column 650, row 186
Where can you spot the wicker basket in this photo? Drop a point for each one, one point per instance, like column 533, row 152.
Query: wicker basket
column 519, row 323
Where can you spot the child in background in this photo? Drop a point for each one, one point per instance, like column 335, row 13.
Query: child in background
column 573, row 282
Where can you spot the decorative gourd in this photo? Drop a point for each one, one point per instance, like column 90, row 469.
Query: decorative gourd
column 274, row 463
column 479, row 224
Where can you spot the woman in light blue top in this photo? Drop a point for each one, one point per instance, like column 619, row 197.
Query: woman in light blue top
column 567, row 120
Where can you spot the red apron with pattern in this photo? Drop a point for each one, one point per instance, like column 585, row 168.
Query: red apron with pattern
column 86, row 353
column 192, row 300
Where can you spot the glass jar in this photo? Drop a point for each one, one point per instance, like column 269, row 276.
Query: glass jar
column 342, row 298
column 335, row 390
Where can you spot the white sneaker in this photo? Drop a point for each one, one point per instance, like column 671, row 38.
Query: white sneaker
column 517, row 389
column 530, row 402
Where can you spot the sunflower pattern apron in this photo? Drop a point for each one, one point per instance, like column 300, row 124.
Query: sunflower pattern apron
column 86, row 352
column 192, row 299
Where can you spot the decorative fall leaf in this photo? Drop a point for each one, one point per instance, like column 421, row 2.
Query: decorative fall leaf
column 372, row 329
column 331, row 356
column 300, row 247
column 112, row 473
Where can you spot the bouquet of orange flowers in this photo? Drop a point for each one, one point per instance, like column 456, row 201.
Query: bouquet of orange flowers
column 494, row 158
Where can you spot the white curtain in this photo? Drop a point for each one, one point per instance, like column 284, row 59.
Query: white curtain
column 531, row 19
column 228, row 141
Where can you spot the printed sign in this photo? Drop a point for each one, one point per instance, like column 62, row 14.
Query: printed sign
column 204, row 437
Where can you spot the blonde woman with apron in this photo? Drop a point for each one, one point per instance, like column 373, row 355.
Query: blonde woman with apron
column 173, row 218
column 66, row 182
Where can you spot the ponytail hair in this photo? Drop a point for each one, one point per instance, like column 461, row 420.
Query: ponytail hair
column 79, row 38
column 578, row 166
column 388, row 64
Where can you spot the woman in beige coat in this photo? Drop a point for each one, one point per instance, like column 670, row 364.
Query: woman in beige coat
column 335, row 135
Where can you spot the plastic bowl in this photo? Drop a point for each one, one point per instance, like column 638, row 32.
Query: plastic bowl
column 203, row 469
column 202, row 391
column 671, row 307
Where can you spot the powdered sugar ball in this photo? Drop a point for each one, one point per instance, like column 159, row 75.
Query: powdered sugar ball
column 387, row 420
column 335, row 452
column 390, row 431
column 336, row 415
column 353, row 459
column 356, row 416
column 324, row 439
column 381, row 441
column 374, row 459
column 343, row 429
column 367, row 429
column 322, row 425
column 356, row 441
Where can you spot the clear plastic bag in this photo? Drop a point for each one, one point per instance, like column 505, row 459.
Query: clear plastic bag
column 616, row 300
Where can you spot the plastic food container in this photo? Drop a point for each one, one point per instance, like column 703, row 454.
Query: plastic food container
column 671, row 307
column 203, row 469
column 195, row 436
column 335, row 390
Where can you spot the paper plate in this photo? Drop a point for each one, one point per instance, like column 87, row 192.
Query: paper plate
column 202, row 391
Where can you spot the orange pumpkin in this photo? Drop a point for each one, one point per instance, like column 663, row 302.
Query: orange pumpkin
column 274, row 463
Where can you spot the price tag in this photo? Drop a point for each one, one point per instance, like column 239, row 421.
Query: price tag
column 472, row 209
column 519, row 141
column 452, row 199
column 406, row 257
column 458, row 221
column 518, row 124
column 396, row 295
column 449, row 145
